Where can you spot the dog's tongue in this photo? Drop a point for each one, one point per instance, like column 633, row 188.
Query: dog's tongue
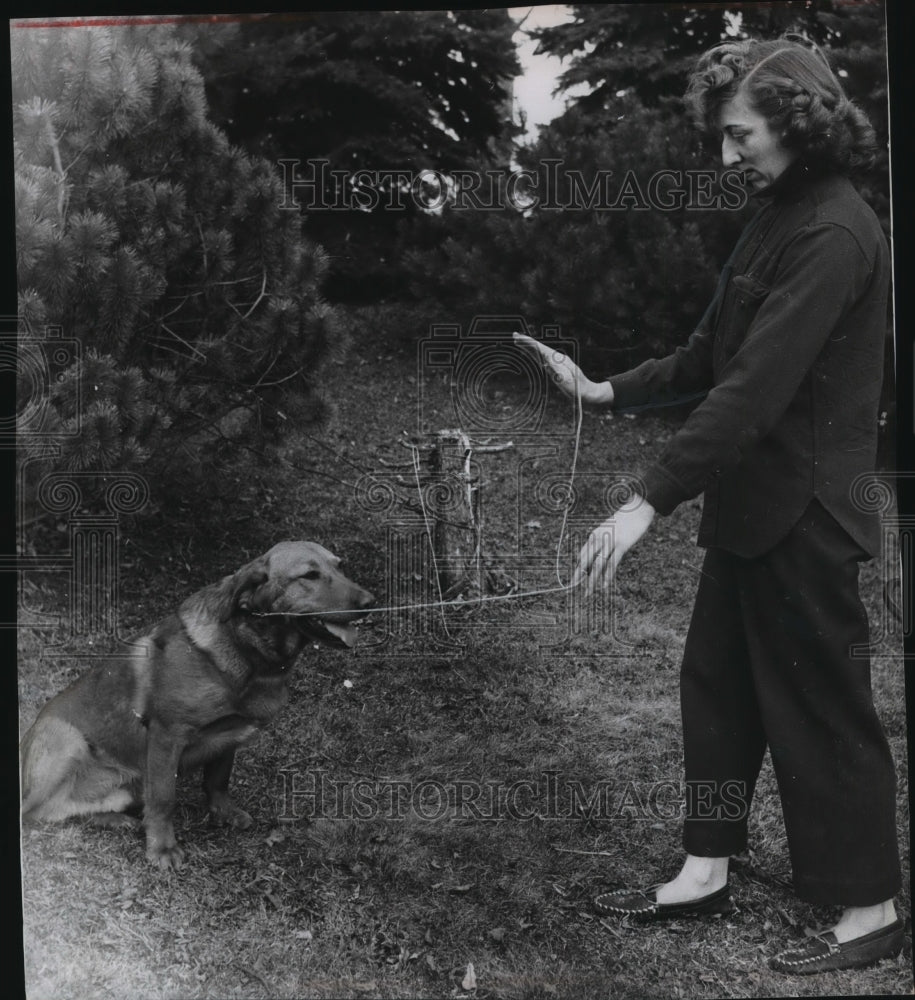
column 345, row 633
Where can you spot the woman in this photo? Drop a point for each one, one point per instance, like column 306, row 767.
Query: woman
column 790, row 355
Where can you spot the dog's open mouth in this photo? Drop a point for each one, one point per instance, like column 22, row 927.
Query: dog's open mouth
column 347, row 634
column 334, row 633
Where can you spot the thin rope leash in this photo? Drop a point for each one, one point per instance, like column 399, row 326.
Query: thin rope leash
column 457, row 603
column 485, row 599
column 579, row 417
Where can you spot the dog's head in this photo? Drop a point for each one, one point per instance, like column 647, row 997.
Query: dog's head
column 300, row 584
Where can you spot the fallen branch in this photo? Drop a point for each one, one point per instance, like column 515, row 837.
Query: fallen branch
column 595, row 854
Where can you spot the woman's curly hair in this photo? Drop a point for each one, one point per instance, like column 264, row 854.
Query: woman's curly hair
column 793, row 87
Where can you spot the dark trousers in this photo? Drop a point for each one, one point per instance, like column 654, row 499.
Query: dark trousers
column 768, row 662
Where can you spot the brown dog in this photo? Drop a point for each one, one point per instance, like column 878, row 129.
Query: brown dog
column 203, row 682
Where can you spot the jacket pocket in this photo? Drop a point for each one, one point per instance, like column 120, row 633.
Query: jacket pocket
column 743, row 298
column 748, row 290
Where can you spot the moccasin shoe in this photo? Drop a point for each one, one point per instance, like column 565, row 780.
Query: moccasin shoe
column 822, row 952
column 643, row 904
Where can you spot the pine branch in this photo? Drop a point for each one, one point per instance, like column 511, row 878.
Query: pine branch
column 62, row 192
column 186, row 343
column 203, row 245
column 217, row 284
column 270, row 385
column 258, row 299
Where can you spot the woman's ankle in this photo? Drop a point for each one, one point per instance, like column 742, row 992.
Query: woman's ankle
column 697, row 878
column 857, row 921
column 705, row 872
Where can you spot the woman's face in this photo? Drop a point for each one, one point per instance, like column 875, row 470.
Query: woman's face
column 749, row 145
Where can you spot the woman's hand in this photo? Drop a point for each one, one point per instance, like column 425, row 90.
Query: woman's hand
column 566, row 374
column 610, row 541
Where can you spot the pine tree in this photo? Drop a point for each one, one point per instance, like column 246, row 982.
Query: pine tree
column 146, row 236
column 642, row 48
column 372, row 91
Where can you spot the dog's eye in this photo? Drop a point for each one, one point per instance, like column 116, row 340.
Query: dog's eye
column 312, row 574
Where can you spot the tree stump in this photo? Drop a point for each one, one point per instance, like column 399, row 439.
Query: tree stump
column 450, row 492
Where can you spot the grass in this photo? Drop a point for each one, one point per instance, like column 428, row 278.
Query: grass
column 484, row 863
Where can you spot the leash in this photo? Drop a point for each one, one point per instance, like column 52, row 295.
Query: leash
column 579, row 419
column 455, row 603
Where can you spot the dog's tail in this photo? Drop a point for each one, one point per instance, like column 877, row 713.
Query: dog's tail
column 62, row 776
column 47, row 759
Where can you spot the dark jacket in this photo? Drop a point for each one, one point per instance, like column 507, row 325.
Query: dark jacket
column 791, row 358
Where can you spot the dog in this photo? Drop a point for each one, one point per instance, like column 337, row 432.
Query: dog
column 202, row 683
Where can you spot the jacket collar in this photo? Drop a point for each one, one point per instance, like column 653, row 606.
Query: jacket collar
column 792, row 183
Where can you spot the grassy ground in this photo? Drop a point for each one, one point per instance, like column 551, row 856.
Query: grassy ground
column 429, row 856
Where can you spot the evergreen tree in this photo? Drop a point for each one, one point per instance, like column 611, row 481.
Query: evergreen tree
column 377, row 91
column 145, row 235
column 366, row 90
column 642, row 48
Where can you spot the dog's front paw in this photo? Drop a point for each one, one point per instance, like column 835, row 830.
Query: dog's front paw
column 164, row 857
column 226, row 812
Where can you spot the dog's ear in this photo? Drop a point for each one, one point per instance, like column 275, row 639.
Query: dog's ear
column 240, row 592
